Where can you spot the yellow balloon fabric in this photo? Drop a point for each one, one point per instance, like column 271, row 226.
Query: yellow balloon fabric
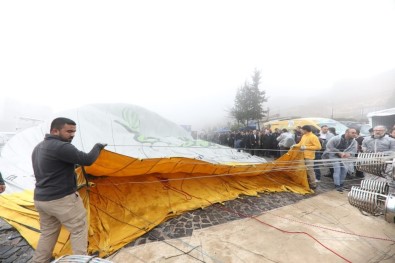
column 127, row 197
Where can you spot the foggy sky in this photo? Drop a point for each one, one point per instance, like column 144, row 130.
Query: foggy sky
column 186, row 59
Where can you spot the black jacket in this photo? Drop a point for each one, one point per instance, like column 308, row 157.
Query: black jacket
column 54, row 163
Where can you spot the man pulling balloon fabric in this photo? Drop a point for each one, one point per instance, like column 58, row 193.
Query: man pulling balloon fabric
column 55, row 195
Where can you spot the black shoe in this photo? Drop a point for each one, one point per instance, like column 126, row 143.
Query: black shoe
column 346, row 188
column 339, row 188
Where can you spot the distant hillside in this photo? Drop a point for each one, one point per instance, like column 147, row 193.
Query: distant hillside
column 351, row 99
column 376, row 91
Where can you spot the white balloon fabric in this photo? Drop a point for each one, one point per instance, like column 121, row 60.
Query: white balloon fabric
column 127, row 129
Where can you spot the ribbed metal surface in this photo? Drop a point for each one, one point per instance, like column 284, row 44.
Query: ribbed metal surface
column 373, row 163
column 372, row 197
column 367, row 201
column 376, row 186
column 80, row 259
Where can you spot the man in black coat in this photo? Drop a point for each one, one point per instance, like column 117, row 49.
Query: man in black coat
column 55, row 195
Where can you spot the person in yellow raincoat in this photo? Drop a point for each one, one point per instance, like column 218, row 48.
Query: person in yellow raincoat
column 309, row 143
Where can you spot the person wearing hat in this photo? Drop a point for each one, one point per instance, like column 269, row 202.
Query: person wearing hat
column 309, row 143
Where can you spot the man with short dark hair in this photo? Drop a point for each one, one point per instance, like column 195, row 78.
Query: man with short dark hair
column 55, row 195
column 253, row 142
column 309, row 143
column 340, row 148
column 298, row 134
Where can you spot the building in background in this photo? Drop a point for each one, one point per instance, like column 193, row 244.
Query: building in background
column 382, row 117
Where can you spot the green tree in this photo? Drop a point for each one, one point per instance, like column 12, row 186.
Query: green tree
column 249, row 101
column 239, row 112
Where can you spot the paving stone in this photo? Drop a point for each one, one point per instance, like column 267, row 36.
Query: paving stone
column 168, row 228
column 5, row 227
column 10, row 252
column 197, row 226
column 24, row 249
column 206, row 225
column 188, row 232
column 4, row 249
column 16, row 240
column 179, row 232
column 205, row 221
column 188, row 224
column 11, row 259
column 221, row 221
column 178, row 225
column 154, row 234
column 140, row 241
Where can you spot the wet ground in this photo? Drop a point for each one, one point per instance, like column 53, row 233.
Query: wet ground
column 14, row 249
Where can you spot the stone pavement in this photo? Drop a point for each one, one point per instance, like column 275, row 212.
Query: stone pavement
column 324, row 228
column 14, row 249
column 245, row 206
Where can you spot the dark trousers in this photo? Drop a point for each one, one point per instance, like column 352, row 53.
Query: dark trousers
column 283, row 150
column 317, row 165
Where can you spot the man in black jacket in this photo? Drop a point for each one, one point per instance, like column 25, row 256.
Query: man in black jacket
column 55, row 195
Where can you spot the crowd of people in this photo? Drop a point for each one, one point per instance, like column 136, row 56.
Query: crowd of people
column 316, row 145
column 257, row 142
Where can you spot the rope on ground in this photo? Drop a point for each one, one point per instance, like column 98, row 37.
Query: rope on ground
column 241, row 215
